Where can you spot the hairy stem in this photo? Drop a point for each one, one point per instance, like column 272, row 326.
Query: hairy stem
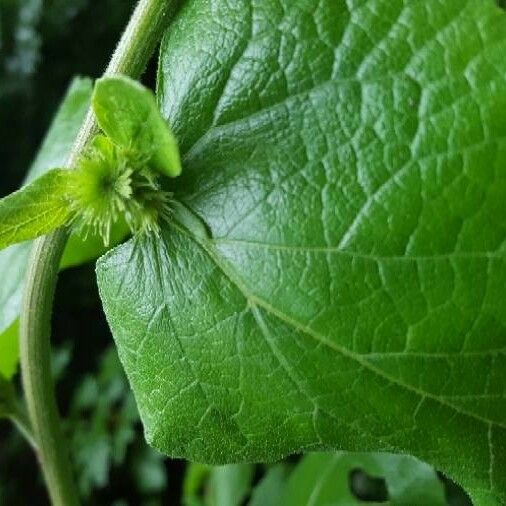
column 36, row 368
column 136, row 46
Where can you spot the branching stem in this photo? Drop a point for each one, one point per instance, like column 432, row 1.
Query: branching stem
column 136, row 46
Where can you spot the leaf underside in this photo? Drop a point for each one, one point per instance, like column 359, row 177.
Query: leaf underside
column 348, row 161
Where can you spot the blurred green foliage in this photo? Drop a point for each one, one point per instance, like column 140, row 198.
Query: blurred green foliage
column 111, row 459
column 43, row 44
column 102, row 426
column 323, row 479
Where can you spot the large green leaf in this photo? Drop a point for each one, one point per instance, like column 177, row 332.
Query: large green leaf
column 348, row 161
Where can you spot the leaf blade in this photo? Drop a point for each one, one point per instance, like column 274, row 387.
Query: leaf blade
column 350, row 175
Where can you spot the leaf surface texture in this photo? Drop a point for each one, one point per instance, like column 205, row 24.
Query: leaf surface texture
column 346, row 161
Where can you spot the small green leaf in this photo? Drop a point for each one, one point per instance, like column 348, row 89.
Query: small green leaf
column 36, row 209
column 127, row 112
column 9, row 351
column 324, row 478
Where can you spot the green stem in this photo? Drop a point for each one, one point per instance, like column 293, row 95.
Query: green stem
column 36, row 368
column 136, row 46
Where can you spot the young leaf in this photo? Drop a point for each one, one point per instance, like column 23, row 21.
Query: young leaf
column 324, row 478
column 36, row 209
column 128, row 114
column 348, row 160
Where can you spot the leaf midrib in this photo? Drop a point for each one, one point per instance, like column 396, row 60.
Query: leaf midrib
column 354, row 254
column 54, row 211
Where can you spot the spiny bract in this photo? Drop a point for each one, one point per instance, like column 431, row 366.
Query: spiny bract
column 111, row 184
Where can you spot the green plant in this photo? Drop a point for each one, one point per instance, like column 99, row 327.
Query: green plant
column 328, row 270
